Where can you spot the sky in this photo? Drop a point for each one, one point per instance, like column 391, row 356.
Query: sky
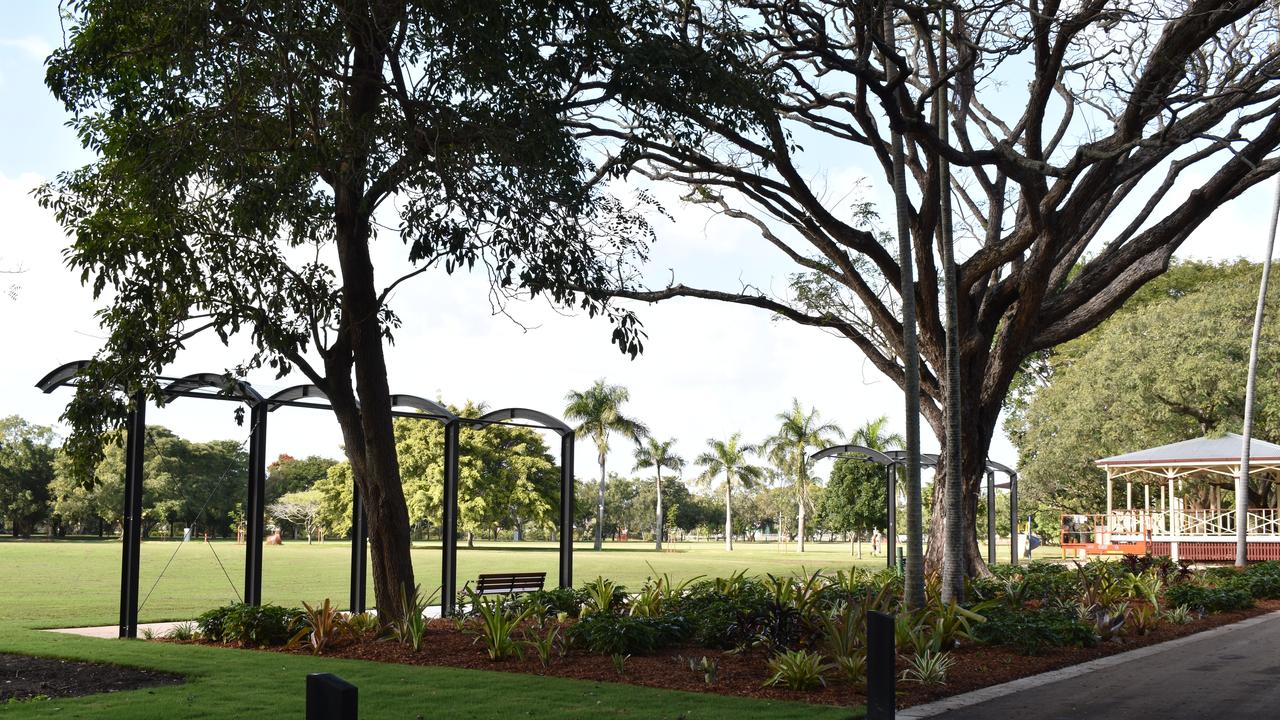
column 708, row 370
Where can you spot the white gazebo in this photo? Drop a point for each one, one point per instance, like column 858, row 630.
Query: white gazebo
column 1187, row 518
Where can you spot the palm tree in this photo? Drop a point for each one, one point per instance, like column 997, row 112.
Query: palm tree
column 953, row 562
column 730, row 460
column 658, row 455
column 914, row 581
column 598, row 410
column 789, row 450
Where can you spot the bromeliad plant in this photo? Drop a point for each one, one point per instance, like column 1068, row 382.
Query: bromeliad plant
column 412, row 627
column 928, row 668
column 497, row 626
column 320, row 627
column 798, row 670
column 544, row 643
column 603, row 597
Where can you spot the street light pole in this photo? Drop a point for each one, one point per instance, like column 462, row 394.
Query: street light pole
column 1242, row 481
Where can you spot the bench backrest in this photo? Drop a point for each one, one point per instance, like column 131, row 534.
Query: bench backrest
column 509, row 583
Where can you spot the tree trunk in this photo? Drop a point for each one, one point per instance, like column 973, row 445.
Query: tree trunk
column 600, row 507
column 800, row 525
column 657, row 536
column 913, row 586
column 728, row 515
column 975, row 440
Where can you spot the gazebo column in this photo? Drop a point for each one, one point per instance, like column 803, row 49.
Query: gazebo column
column 891, row 541
column 131, row 530
column 1174, row 526
column 1108, row 494
column 991, row 517
column 449, row 522
column 1128, row 495
column 1013, row 519
column 566, row 509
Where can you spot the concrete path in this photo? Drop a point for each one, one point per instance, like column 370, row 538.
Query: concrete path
column 1227, row 672
column 113, row 631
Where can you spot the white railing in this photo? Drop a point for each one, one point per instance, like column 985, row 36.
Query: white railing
column 1193, row 523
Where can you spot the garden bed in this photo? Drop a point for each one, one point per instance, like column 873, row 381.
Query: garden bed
column 744, row 673
column 23, row 677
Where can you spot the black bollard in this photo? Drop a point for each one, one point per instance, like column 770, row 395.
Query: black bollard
column 881, row 672
column 329, row 697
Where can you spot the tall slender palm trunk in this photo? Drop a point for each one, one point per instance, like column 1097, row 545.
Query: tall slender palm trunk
column 953, row 565
column 800, row 526
column 913, row 590
column 657, row 535
column 599, row 544
column 728, row 515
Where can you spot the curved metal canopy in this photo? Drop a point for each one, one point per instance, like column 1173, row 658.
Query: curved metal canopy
column 993, row 465
column 232, row 388
column 926, row 459
column 61, row 375
column 874, row 456
column 427, row 407
column 294, row 394
column 547, row 421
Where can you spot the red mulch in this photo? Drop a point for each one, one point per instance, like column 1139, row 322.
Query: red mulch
column 743, row 674
column 23, row 677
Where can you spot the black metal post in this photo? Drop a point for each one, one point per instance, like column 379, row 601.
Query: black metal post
column 131, row 545
column 329, row 697
column 449, row 524
column 359, row 552
column 881, row 674
column 1013, row 519
column 255, row 511
column 991, row 517
column 566, row 509
column 891, row 542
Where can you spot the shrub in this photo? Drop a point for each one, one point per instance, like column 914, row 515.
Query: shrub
column 364, row 625
column 1262, row 580
column 248, row 625
column 183, row 631
column 553, row 602
column 1031, row 631
column 497, row 623
column 627, row 634
column 411, row 628
column 798, row 670
column 715, row 618
column 603, row 596
column 1208, row 599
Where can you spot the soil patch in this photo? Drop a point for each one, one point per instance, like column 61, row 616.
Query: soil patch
column 743, row 674
column 23, row 677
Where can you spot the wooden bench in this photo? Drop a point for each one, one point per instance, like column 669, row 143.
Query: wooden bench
column 509, row 583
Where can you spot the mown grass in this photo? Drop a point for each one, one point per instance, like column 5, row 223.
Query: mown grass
column 70, row 583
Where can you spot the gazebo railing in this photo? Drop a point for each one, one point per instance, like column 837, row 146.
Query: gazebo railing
column 1193, row 523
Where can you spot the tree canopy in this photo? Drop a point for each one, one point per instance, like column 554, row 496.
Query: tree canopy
column 26, row 469
column 1170, row 370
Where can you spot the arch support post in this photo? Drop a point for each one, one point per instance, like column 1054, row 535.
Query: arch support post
column 359, row 552
column 566, row 509
column 131, row 542
column 991, row 517
column 255, row 508
column 891, row 532
column 1013, row 519
column 449, row 524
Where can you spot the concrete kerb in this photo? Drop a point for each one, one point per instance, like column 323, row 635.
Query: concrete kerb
column 957, row 702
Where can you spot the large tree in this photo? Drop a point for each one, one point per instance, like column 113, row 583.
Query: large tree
column 26, row 469
column 1131, row 124
column 598, row 412
column 799, row 434
column 728, row 459
column 658, row 455
column 249, row 153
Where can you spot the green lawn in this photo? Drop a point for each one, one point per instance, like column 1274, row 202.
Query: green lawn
column 69, row 583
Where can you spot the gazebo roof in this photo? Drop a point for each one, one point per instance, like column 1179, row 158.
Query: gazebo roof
column 1204, row 452
column 1200, row 456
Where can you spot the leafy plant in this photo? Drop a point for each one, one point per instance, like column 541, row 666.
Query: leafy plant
column 928, row 668
column 1143, row 617
column 183, row 631
column 1208, row 599
column 603, row 597
column 798, row 670
column 853, row 667
column 1106, row 621
column 1178, row 615
column 625, row 634
column 545, row 643
column 732, row 585
column 1147, row 586
column 709, row 668
column 497, row 625
column 148, row 634
column 364, row 625
column 844, row 630
column 248, row 625
column 1031, row 631
column 554, row 601
column 412, row 626
column 321, row 627
column 620, row 662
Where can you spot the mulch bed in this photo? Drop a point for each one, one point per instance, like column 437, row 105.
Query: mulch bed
column 743, row 674
column 23, row 677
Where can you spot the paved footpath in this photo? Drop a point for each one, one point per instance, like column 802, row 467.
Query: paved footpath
column 1228, row 673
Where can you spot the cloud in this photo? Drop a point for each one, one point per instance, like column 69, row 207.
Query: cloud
column 33, row 46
